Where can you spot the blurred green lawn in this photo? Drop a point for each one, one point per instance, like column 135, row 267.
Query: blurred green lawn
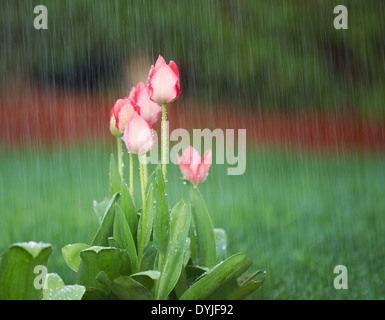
column 296, row 215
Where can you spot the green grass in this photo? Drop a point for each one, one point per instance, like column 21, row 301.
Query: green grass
column 296, row 215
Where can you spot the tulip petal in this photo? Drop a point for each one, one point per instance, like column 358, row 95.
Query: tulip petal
column 150, row 110
column 184, row 168
column 163, row 81
column 174, row 68
column 131, row 95
column 192, row 158
column 205, row 165
column 138, row 135
column 194, row 168
column 125, row 112
column 160, row 62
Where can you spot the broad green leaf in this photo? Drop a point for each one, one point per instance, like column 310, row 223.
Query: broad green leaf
column 221, row 244
column 153, row 274
column 70, row 292
column 146, row 278
column 162, row 215
column 187, row 251
column 122, row 234
column 114, row 262
column 193, row 273
column 115, row 180
column 18, row 276
column 146, row 222
column 113, row 243
column 149, row 257
column 126, row 288
column 103, row 278
column 210, row 285
column 94, row 294
column 203, row 250
column 71, row 254
column 128, row 208
column 171, row 264
column 100, row 208
column 53, row 283
column 106, row 228
column 151, row 178
column 246, row 288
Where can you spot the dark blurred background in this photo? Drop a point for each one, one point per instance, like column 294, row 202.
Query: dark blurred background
column 266, row 55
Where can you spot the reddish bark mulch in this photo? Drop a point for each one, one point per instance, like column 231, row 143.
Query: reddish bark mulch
column 46, row 118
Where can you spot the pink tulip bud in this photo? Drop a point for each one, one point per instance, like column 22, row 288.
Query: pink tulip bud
column 149, row 110
column 194, row 168
column 138, row 135
column 120, row 113
column 163, row 81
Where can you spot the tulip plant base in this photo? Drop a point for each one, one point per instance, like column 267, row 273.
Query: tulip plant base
column 186, row 259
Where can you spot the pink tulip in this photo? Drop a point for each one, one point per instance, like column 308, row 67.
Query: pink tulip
column 149, row 110
column 163, row 81
column 120, row 113
column 138, row 135
column 194, row 168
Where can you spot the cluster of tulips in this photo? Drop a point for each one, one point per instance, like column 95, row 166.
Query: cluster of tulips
column 131, row 120
column 148, row 252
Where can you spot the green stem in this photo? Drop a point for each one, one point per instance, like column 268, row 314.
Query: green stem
column 164, row 141
column 145, row 174
column 131, row 188
column 120, row 156
column 143, row 219
column 142, row 185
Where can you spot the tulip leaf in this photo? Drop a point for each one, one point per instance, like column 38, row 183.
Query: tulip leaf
column 193, row 273
column 70, row 292
column 53, row 283
column 106, row 228
column 71, row 254
column 146, row 222
column 94, row 294
column 112, row 242
column 246, row 288
column 187, row 250
column 148, row 258
column 126, row 288
column 171, row 264
column 113, row 261
column 221, row 244
column 146, row 278
column 100, row 208
column 215, row 283
column 162, row 215
column 18, row 275
column 203, row 248
column 128, row 208
column 151, row 178
column 123, row 235
column 115, row 179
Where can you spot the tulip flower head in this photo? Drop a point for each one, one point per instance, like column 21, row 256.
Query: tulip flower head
column 138, row 135
column 120, row 113
column 163, row 81
column 149, row 110
column 193, row 167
